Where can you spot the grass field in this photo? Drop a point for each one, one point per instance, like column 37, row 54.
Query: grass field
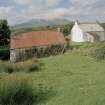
column 77, row 80
column 73, row 78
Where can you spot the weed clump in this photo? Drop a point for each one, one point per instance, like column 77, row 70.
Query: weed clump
column 18, row 90
column 26, row 66
column 99, row 53
column 35, row 67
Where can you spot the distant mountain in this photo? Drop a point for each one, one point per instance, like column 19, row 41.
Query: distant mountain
column 40, row 23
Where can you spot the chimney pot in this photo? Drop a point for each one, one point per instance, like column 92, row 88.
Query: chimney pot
column 59, row 30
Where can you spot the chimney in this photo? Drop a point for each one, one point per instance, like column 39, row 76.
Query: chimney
column 59, row 30
column 97, row 22
column 76, row 22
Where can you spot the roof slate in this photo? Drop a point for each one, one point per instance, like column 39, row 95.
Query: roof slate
column 91, row 27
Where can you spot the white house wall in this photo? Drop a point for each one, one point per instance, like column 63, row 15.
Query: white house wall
column 77, row 34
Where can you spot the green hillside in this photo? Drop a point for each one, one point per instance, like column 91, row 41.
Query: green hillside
column 66, row 28
column 41, row 23
column 73, row 78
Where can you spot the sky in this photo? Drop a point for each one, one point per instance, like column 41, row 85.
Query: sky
column 20, row 11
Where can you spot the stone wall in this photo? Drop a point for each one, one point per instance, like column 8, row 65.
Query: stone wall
column 17, row 55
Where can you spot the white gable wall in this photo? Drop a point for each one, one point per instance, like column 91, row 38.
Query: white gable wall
column 77, row 34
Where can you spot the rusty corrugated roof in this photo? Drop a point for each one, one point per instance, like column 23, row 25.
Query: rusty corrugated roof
column 31, row 39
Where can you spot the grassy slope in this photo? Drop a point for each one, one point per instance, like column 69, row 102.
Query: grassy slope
column 76, row 80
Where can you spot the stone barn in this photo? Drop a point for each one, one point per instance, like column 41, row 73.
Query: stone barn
column 36, row 44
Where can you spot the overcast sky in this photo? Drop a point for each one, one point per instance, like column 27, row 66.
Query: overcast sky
column 17, row 11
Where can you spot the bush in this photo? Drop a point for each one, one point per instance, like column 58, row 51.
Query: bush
column 35, row 67
column 26, row 66
column 9, row 69
column 99, row 53
column 95, row 50
column 4, row 53
column 18, row 90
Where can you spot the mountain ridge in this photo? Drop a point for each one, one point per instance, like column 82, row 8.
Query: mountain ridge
column 41, row 23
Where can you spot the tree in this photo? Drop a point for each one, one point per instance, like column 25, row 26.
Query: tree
column 4, row 32
column 67, row 29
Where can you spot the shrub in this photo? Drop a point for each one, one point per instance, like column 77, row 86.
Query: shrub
column 18, row 90
column 4, row 52
column 26, row 66
column 99, row 53
column 35, row 67
column 9, row 69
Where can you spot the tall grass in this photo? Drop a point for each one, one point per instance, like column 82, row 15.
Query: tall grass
column 16, row 91
column 19, row 90
column 99, row 53
column 95, row 50
column 27, row 66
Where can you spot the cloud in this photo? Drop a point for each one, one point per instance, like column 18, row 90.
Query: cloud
column 34, row 2
column 24, row 2
column 52, row 2
column 12, row 15
column 24, row 10
column 5, row 11
column 87, row 7
column 44, row 13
